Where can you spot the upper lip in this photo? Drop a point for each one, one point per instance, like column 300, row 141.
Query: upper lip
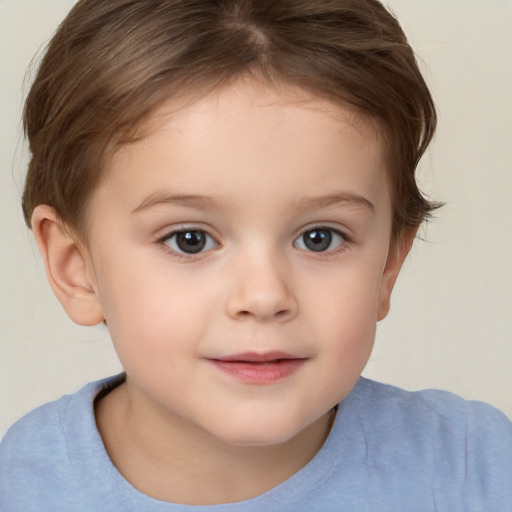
column 255, row 357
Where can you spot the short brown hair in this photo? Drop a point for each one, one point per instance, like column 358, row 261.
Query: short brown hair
column 112, row 63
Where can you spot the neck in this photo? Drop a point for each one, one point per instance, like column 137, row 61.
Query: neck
column 180, row 464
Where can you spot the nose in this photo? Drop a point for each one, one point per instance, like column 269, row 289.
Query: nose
column 262, row 291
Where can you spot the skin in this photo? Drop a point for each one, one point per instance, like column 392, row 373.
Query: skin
column 254, row 168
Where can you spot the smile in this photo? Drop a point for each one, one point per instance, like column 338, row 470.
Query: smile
column 253, row 368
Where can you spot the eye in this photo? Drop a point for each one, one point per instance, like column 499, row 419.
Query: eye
column 320, row 240
column 189, row 241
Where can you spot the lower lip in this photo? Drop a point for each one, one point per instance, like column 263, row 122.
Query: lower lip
column 261, row 372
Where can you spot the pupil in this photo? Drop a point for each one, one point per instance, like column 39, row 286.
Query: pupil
column 191, row 241
column 318, row 239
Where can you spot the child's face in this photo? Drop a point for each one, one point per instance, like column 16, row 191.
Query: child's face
column 253, row 225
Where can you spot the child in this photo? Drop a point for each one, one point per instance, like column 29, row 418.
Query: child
column 229, row 186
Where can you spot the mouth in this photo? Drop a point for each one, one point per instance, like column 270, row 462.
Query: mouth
column 255, row 368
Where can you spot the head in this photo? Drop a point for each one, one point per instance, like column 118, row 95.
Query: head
column 111, row 64
column 258, row 131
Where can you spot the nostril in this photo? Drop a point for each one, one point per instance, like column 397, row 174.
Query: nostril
column 261, row 301
column 277, row 315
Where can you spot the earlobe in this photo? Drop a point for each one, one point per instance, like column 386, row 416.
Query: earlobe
column 66, row 267
column 396, row 257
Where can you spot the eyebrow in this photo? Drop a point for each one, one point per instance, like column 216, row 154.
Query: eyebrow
column 197, row 202
column 200, row 202
column 313, row 203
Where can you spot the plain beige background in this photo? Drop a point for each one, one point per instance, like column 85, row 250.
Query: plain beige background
column 450, row 325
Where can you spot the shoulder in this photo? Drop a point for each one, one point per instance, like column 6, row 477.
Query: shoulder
column 38, row 452
column 35, row 436
column 443, row 405
column 443, row 410
column 441, row 415
column 465, row 445
column 34, row 457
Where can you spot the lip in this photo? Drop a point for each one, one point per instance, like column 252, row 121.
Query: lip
column 256, row 368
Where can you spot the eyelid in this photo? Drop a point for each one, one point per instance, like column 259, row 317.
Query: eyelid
column 172, row 232
column 183, row 227
column 346, row 239
column 344, row 232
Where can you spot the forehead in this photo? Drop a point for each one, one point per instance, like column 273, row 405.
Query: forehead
column 237, row 138
column 250, row 101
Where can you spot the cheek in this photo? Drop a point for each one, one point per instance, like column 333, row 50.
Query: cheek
column 151, row 311
column 344, row 312
column 348, row 342
column 350, row 335
column 347, row 296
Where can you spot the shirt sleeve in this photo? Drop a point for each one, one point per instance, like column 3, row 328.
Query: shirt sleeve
column 488, row 459
column 28, row 472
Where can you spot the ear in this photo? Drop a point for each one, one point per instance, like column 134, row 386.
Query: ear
column 397, row 254
column 67, row 268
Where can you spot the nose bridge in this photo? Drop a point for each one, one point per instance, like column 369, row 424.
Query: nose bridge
column 262, row 285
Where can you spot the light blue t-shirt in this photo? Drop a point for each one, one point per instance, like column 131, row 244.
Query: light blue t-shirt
column 389, row 451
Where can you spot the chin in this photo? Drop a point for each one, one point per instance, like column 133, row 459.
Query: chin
column 260, row 432
column 258, row 440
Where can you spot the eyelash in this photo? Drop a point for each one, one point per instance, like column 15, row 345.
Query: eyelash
column 164, row 242
column 177, row 253
column 342, row 243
